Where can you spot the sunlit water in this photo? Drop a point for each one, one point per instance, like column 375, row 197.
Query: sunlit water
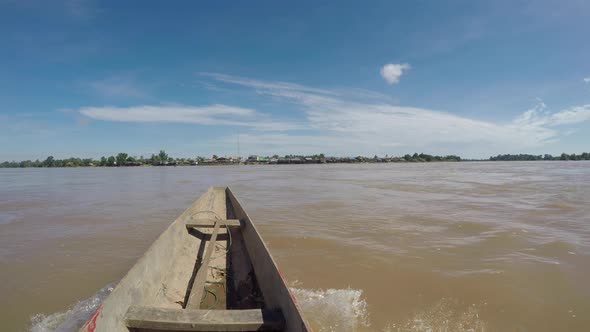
column 371, row 247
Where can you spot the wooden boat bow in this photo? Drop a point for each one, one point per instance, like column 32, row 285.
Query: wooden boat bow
column 209, row 270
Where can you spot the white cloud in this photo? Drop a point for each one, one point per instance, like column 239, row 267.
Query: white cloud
column 538, row 116
column 392, row 72
column 587, row 79
column 374, row 126
column 203, row 115
column 350, row 122
column 263, row 85
column 572, row 115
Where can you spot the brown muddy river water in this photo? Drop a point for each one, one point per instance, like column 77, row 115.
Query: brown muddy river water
column 369, row 247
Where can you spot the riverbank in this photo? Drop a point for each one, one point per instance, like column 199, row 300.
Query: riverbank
column 162, row 159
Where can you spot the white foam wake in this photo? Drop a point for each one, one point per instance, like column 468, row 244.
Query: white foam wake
column 333, row 309
column 327, row 310
column 72, row 319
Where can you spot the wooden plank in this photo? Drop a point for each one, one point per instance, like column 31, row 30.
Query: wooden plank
column 194, row 300
column 208, row 223
column 203, row 320
column 216, row 209
column 274, row 288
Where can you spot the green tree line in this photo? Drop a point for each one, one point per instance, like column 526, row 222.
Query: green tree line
column 121, row 159
column 162, row 158
column 422, row 157
column 525, row 157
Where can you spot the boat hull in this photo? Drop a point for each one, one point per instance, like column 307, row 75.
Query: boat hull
column 220, row 264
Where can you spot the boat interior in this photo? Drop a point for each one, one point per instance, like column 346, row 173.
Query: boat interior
column 216, row 275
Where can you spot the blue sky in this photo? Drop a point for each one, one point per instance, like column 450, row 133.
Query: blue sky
column 474, row 78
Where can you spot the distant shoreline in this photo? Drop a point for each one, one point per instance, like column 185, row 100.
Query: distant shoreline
column 163, row 160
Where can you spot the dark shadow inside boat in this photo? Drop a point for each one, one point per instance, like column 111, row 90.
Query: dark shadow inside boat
column 244, row 292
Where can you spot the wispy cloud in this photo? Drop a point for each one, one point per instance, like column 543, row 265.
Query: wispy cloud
column 539, row 116
column 354, row 122
column 286, row 89
column 572, row 115
column 117, row 87
column 587, row 79
column 203, row 115
column 374, row 125
column 265, row 86
column 392, row 72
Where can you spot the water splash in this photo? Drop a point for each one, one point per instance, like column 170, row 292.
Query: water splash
column 333, row 309
column 329, row 310
column 445, row 315
column 72, row 319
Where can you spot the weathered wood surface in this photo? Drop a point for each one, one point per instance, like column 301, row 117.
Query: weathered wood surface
column 208, row 223
column 198, row 287
column 203, row 320
column 214, row 209
column 161, row 278
column 272, row 284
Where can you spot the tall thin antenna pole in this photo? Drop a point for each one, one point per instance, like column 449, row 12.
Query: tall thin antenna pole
column 239, row 158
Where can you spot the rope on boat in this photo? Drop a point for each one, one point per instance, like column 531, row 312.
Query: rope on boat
column 217, row 218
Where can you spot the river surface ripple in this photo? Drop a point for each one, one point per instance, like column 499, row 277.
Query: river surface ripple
column 482, row 246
